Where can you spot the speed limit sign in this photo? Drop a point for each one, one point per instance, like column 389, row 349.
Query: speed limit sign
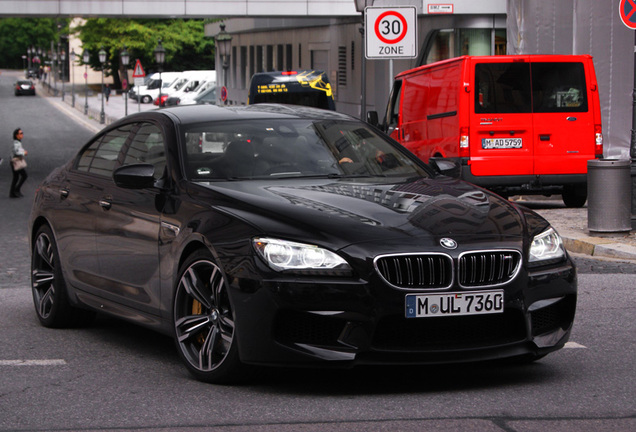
column 390, row 32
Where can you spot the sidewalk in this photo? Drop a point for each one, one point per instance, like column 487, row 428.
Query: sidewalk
column 570, row 223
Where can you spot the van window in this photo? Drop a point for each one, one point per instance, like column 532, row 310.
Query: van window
column 558, row 87
column 540, row 87
column 502, row 88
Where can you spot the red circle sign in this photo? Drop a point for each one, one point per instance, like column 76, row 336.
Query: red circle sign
column 394, row 28
column 224, row 93
column 627, row 12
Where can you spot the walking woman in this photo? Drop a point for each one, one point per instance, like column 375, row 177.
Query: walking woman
column 18, row 164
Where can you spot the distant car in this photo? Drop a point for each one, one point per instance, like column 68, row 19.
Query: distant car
column 24, row 87
column 287, row 235
column 31, row 73
column 207, row 96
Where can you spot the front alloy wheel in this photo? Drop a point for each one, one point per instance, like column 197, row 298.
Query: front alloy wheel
column 204, row 322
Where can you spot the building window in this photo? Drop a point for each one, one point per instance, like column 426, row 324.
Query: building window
column 280, row 57
column 300, row 56
column 288, row 57
column 244, row 68
column 342, row 66
column 252, row 69
column 234, row 65
column 270, row 58
column 259, row 58
column 449, row 43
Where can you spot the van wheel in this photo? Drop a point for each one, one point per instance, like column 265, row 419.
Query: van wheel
column 146, row 99
column 574, row 196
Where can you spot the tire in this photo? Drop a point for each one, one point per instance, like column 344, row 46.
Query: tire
column 574, row 196
column 50, row 296
column 203, row 322
column 146, row 99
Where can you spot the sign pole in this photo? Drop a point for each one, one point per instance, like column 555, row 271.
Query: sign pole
column 632, row 144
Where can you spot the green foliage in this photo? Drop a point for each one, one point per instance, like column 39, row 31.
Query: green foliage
column 25, row 32
column 184, row 41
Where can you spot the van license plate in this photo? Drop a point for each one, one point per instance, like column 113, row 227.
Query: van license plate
column 501, row 143
column 466, row 303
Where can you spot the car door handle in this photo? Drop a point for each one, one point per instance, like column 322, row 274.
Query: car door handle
column 544, row 137
column 105, row 204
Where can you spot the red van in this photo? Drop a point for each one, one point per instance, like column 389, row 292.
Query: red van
column 523, row 124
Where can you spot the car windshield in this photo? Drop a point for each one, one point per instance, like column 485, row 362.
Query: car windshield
column 284, row 148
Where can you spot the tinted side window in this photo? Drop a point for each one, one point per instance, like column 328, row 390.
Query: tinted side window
column 559, row 87
column 101, row 157
column 502, row 88
column 147, row 146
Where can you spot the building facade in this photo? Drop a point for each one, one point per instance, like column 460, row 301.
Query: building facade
column 335, row 45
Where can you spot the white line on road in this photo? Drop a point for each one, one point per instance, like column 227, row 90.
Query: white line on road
column 573, row 345
column 45, row 362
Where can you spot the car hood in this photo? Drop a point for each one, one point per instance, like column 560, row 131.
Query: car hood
column 346, row 211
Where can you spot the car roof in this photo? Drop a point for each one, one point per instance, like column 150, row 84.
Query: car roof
column 190, row 114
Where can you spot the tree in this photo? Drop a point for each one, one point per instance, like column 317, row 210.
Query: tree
column 25, row 33
column 184, row 41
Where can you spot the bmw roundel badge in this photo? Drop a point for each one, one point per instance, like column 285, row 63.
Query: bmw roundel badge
column 448, row 243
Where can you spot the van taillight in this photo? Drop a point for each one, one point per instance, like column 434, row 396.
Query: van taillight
column 598, row 143
column 464, row 143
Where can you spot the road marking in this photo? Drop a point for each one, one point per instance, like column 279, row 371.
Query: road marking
column 45, row 362
column 573, row 345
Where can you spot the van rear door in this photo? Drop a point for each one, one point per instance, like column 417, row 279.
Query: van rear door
column 563, row 118
column 501, row 130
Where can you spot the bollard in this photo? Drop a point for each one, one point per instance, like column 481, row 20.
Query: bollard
column 609, row 195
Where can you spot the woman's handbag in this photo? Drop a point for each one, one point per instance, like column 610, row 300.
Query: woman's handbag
column 18, row 163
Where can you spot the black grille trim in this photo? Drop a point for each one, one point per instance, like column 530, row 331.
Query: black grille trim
column 416, row 271
column 437, row 271
column 484, row 269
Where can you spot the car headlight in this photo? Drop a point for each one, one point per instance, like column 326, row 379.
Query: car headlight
column 546, row 246
column 282, row 255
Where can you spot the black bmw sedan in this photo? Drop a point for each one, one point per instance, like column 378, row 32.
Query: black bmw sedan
column 279, row 235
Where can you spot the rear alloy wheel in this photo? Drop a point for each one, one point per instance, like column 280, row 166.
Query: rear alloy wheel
column 48, row 287
column 204, row 322
column 146, row 99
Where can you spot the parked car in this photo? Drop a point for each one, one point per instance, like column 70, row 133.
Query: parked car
column 280, row 235
column 517, row 124
column 24, row 87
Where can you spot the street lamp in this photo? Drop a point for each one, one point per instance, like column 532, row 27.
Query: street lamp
column 63, row 60
column 125, row 59
column 360, row 6
column 224, row 44
column 56, row 65
column 160, row 58
column 86, row 56
column 102, row 60
column 71, row 58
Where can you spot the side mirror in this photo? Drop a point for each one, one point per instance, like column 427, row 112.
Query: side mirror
column 372, row 118
column 446, row 167
column 135, row 176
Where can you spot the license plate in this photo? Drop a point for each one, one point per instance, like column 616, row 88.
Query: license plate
column 456, row 304
column 501, row 143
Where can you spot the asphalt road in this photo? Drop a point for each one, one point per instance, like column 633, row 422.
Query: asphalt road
column 116, row 376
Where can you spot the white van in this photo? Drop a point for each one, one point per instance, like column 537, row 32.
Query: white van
column 147, row 93
column 197, row 83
